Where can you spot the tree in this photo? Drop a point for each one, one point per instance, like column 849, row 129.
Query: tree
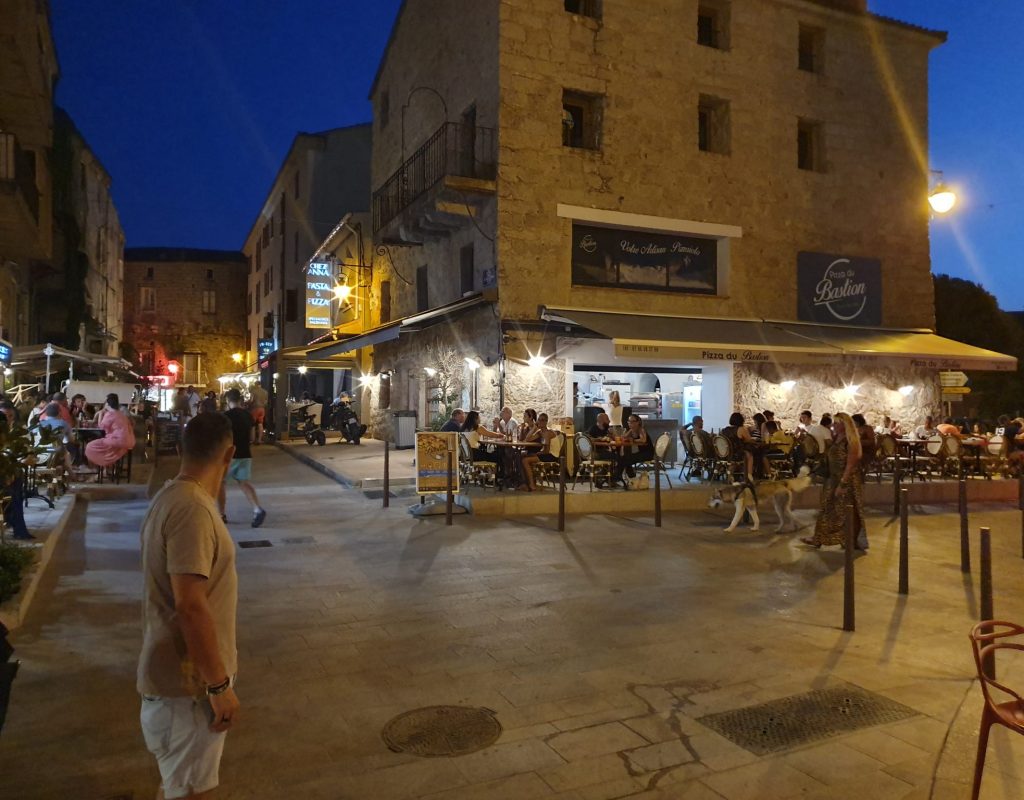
column 966, row 312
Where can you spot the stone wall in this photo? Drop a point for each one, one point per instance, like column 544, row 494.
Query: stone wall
column 646, row 65
column 824, row 389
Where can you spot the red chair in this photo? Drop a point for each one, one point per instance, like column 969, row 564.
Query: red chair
column 985, row 642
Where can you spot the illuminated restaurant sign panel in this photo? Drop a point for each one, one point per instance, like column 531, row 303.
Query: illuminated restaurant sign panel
column 319, row 293
column 6, row 351
column 636, row 259
column 839, row 290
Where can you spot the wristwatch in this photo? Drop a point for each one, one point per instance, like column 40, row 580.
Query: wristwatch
column 219, row 688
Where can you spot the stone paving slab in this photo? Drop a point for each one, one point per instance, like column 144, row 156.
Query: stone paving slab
column 598, row 648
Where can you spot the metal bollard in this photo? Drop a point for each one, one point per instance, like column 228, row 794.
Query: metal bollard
column 965, row 536
column 657, row 492
column 849, row 613
column 904, row 544
column 449, row 500
column 1020, row 505
column 387, row 472
column 561, row 490
column 896, row 483
column 986, row 612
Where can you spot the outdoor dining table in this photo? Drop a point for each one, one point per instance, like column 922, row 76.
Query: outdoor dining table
column 510, row 462
column 81, row 437
column 912, row 447
column 975, row 445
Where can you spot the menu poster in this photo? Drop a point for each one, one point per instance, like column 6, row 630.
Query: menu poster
column 432, row 448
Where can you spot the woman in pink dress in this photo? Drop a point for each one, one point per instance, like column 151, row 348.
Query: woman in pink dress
column 119, row 438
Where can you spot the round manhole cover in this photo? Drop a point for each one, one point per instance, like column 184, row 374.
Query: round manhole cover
column 442, row 731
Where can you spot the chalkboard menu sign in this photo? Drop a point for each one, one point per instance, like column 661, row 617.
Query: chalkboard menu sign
column 168, row 437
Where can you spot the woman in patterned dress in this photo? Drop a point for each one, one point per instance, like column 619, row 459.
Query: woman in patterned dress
column 843, row 492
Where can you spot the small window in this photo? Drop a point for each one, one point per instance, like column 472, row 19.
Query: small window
column 248, row 303
column 384, row 112
column 266, row 234
column 713, row 124
column 209, row 274
column 810, row 145
column 713, row 25
column 466, row 272
column 271, row 227
column 581, row 120
column 295, row 248
column 257, row 296
column 248, row 265
column 148, row 300
column 811, row 49
column 291, row 305
column 209, row 301
column 385, row 301
column 584, row 8
column 296, row 184
column 422, row 298
column 269, row 280
column 149, row 273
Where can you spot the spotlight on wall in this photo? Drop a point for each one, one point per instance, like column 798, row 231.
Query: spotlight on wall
column 342, row 292
column 536, row 362
column 472, row 363
column 364, row 380
column 431, row 372
column 906, row 391
column 302, row 369
column 787, row 385
column 851, row 388
column 236, row 357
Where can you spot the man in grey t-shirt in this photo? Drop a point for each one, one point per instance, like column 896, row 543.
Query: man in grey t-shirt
column 190, row 595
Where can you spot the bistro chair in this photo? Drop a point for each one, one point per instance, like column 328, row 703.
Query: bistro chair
column 661, row 445
column 929, row 463
column 985, row 643
column 994, row 458
column 685, row 438
column 952, row 456
column 547, row 471
column 702, row 459
column 589, row 466
column 780, row 455
column 484, row 473
column 729, row 463
column 811, row 453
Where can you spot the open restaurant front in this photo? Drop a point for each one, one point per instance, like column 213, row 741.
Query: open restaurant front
column 672, row 368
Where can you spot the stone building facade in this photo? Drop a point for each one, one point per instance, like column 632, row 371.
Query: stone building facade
column 323, row 177
column 83, row 294
column 188, row 307
column 732, row 188
column 28, row 72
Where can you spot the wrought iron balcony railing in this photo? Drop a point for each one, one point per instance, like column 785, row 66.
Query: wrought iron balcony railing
column 16, row 168
column 465, row 151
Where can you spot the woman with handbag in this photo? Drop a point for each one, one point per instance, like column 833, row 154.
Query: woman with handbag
column 843, row 492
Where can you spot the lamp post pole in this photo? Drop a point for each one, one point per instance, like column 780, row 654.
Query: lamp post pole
column 48, row 351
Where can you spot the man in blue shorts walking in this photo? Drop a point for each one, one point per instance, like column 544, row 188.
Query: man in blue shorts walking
column 240, row 470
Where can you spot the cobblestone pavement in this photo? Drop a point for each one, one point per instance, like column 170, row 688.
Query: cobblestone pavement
column 599, row 649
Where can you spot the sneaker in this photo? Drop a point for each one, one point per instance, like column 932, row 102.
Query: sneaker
column 258, row 517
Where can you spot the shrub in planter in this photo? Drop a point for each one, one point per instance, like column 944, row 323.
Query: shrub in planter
column 14, row 560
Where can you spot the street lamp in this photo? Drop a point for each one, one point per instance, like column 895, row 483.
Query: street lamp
column 941, row 197
column 408, row 101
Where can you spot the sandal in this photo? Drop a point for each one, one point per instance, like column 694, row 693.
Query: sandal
column 810, row 542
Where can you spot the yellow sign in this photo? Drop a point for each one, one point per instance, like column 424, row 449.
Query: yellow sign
column 956, row 389
column 432, row 449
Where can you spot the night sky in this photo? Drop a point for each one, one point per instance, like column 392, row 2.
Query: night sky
column 192, row 104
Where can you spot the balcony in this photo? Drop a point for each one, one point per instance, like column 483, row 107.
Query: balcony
column 440, row 187
column 19, row 199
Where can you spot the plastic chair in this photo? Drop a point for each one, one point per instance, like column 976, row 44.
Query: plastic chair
column 985, row 642
column 590, row 467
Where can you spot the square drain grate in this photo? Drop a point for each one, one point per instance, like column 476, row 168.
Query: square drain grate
column 256, row 543
column 299, row 540
column 377, row 494
column 803, row 718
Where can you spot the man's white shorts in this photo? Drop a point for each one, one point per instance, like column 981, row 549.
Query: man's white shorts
column 188, row 753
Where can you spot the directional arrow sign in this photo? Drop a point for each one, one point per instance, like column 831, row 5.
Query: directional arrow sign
column 952, row 378
column 956, row 389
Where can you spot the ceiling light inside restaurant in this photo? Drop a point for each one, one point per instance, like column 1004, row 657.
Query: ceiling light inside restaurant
column 302, row 369
column 906, row 391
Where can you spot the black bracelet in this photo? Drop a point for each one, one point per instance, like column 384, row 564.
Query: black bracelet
column 219, row 688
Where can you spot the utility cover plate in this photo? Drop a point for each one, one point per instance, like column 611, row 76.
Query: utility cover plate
column 442, row 731
column 803, row 718
column 256, row 543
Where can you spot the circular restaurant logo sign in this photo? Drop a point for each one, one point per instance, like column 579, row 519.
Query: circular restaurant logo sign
column 588, row 244
column 840, row 291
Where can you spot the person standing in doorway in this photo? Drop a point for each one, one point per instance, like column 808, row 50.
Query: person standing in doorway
column 187, row 666
column 241, row 465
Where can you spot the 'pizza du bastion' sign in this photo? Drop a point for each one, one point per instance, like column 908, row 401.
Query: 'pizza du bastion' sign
column 839, row 290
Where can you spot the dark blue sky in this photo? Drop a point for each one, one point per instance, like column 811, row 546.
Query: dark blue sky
column 192, row 104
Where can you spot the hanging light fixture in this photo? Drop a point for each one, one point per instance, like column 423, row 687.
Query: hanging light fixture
column 941, row 197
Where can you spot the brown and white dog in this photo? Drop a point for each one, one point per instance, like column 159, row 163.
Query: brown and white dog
column 746, row 496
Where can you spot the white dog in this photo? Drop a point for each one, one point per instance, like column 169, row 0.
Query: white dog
column 745, row 497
